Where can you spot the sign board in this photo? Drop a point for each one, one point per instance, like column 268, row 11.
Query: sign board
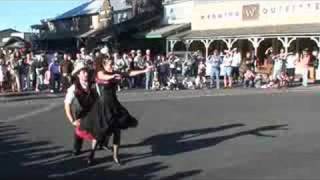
column 235, row 14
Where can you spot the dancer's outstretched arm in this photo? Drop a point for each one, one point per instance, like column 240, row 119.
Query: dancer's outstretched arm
column 106, row 77
column 138, row 72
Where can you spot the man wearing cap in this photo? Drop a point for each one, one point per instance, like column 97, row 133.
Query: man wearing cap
column 79, row 99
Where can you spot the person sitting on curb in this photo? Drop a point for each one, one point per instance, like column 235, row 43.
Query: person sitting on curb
column 249, row 78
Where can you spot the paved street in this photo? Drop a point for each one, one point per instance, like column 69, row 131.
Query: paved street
column 231, row 135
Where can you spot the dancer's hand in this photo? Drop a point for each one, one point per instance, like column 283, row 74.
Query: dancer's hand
column 117, row 76
column 76, row 123
column 149, row 68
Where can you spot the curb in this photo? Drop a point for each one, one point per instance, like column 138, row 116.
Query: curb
column 7, row 99
column 153, row 95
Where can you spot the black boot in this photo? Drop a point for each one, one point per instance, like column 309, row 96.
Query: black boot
column 90, row 159
column 77, row 145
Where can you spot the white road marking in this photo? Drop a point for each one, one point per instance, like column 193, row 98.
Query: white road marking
column 47, row 108
column 59, row 175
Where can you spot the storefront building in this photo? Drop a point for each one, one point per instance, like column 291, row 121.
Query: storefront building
column 251, row 25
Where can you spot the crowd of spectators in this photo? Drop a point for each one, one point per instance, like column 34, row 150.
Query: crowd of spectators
column 22, row 70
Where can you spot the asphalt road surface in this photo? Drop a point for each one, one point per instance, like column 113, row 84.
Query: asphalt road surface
column 241, row 136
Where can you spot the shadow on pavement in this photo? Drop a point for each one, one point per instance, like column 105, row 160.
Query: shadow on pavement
column 181, row 142
column 26, row 159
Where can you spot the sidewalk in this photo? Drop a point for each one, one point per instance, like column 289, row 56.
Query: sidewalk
column 138, row 94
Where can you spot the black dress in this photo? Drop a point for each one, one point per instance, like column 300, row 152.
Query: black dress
column 107, row 114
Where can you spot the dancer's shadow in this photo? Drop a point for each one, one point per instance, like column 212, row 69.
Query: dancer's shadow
column 187, row 141
column 22, row 158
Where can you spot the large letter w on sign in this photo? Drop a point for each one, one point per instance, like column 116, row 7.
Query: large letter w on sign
column 250, row 12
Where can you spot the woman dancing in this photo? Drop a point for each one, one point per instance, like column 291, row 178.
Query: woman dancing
column 107, row 116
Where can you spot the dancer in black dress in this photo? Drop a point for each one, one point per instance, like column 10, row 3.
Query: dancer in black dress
column 108, row 116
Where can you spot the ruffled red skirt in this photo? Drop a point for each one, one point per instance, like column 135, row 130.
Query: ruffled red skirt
column 84, row 134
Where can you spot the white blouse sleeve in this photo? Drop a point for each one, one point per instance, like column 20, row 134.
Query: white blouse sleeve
column 70, row 96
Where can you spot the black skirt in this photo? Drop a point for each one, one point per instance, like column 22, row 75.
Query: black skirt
column 106, row 115
column 116, row 115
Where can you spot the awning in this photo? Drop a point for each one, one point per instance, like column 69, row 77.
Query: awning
column 167, row 30
column 107, row 38
column 88, row 33
column 16, row 45
column 263, row 31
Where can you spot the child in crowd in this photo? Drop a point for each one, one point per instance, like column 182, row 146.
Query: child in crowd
column 201, row 78
column 173, row 83
column 155, row 81
column 258, row 81
column 282, row 80
column 188, row 83
column 249, row 78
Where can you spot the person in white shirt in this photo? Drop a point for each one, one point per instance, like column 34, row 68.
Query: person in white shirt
column 236, row 61
column 213, row 64
column 227, row 70
column 292, row 60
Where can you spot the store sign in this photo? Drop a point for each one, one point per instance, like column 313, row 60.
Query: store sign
column 250, row 12
column 233, row 14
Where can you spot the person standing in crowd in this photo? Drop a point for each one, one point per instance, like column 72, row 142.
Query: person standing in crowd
column 33, row 74
column 110, row 111
column 2, row 74
column 128, row 61
column 80, row 98
column 88, row 59
column 312, row 66
column 227, row 70
column 66, row 69
column 292, row 60
column 279, row 64
column 214, row 62
column 119, row 66
column 30, row 73
column 249, row 61
column 304, row 64
column 105, row 51
column 236, row 61
column 55, row 75
column 41, row 66
column 201, row 77
column 132, row 54
column 15, row 70
column 163, row 71
column 131, row 57
column 139, row 64
column 172, row 60
column 149, row 75
column 84, row 55
column 78, row 59
column 148, row 55
column 24, row 73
